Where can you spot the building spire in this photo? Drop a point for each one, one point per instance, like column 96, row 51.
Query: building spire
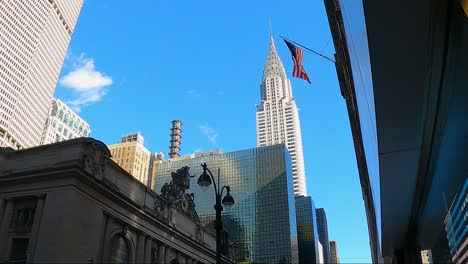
column 273, row 64
column 271, row 31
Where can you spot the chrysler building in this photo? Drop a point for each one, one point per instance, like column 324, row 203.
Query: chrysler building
column 278, row 117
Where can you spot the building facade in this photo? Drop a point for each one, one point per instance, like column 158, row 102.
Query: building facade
column 207, row 153
column 426, row 257
column 277, row 116
column 72, row 204
column 155, row 159
column 132, row 156
column 262, row 223
column 320, row 251
column 63, row 124
column 456, row 226
column 307, row 233
column 406, row 101
column 322, row 227
column 335, row 258
column 34, row 39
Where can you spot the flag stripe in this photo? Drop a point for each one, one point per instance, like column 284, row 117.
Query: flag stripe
column 297, row 54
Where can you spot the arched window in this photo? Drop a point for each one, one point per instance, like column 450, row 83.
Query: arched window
column 119, row 253
column 54, row 110
column 175, row 261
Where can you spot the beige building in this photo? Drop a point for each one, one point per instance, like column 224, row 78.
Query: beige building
column 426, row 257
column 155, row 159
column 68, row 202
column 132, row 156
column 335, row 258
column 34, row 37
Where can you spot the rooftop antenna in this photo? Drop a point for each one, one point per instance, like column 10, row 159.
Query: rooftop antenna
column 271, row 31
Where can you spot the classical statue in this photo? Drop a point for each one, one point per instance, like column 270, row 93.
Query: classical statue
column 174, row 192
column 179, row 184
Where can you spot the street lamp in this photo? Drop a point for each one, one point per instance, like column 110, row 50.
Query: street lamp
column 205, row 180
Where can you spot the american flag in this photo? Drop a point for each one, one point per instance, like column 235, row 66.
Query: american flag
column 297, row 55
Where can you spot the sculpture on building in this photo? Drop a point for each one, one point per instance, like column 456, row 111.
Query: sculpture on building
column 95, row 157
column 174, row 193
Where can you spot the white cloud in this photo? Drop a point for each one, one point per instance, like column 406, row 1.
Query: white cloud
column 193, row 93
column 87, row 84
column 210, row 133
column 192, row 154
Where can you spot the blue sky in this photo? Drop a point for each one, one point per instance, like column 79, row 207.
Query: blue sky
column 135, row 66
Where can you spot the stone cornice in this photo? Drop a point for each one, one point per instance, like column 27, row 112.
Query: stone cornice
column 88, row 160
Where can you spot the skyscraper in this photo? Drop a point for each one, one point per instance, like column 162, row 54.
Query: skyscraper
column 262, row 223
column 456, row 225
column 322, row 227
column 307, row 233
column 33, row 41
column 335, row 258
column 132, row 156
column 278, row 118
column 63, row 124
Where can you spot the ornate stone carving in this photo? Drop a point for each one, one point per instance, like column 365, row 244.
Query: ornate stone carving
column 95, row 157
column 186, row 205
column 124, row 230
column 174, row 192
column 179, row 184
column 158, row 207
column 170, row 217
column 198, row 234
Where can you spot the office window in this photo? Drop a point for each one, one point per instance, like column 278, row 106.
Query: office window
column 18, row 250
column 54, row 110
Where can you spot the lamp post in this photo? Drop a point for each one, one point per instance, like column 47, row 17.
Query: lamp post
column 205, row 180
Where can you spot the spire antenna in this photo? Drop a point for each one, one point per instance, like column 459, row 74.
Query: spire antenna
column 271, row 31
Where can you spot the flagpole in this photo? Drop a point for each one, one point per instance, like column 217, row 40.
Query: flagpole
column 315, row 52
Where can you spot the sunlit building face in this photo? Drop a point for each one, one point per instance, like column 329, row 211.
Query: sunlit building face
column 33, row 41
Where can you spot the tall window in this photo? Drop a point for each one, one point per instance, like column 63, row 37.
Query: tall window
column 54, row 110
column 120, row 253
column 18, row 251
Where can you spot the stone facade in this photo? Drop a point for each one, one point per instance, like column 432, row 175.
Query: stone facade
column 68, row 202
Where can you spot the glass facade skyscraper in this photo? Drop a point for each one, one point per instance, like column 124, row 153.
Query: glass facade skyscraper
column 307, row 233
column 262, row 223
column 322, row 227
column 456, row 226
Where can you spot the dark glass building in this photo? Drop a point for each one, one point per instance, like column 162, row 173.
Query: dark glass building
column 307, row 234
column 322, row 227
column 456, row 226
column 402, row 73
column 262, row 223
